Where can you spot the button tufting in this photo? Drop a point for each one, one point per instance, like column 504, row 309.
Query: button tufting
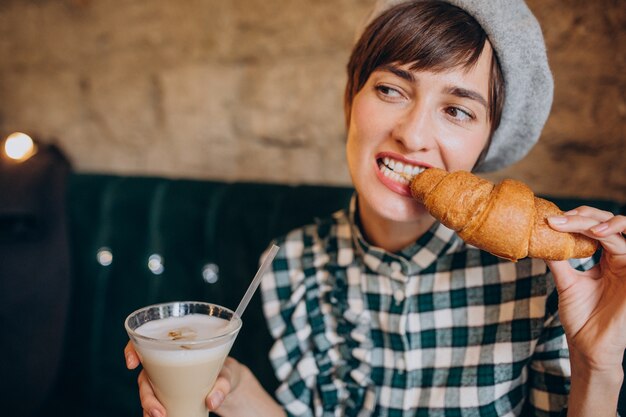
column 210, row 273
column 104, row 256
column 155, row 264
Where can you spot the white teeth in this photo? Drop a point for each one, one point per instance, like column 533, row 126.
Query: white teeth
column 398, row 178
column 399, row 171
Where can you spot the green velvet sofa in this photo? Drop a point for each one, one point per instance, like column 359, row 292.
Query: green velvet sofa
column 205, row 239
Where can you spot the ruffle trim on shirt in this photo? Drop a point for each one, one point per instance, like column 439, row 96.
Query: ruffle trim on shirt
column 344, row 363
column 322, row 373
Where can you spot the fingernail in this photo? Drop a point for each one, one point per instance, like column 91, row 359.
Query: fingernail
column 599, row 228
column 571, row 212
column 216, row 399
column 557, row 220
column 155, row 413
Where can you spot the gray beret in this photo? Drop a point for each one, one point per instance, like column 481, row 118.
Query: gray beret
column 516, row 38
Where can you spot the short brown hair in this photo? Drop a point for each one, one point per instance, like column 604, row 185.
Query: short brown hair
column 428, row 35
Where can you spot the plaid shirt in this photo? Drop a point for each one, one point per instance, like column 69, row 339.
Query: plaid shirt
column 437, row 329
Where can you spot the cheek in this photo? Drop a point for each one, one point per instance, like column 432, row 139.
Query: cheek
column 360, row 127
column 353, row 151
column 462, row 153
column 367, row 119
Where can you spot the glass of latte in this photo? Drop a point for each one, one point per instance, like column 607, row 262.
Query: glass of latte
column 182, row 347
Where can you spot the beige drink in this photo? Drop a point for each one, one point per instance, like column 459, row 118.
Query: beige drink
column 182, row 347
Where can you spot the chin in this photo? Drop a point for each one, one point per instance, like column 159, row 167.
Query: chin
column 393, row 207
column 405, row 214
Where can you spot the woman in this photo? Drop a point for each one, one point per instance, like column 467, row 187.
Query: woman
column 381, row 310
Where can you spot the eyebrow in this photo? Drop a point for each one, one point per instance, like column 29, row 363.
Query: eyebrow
column 405, row 75
column 465, row 93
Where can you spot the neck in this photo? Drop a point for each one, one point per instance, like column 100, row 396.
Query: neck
column 391, row 235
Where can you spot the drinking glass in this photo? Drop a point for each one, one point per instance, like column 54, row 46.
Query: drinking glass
column 182, row 347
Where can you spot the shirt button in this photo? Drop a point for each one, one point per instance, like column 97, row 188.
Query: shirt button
column 396, row 267
column 398, row 295
column 400, row 364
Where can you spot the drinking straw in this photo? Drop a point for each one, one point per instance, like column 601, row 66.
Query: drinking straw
column 256, row 280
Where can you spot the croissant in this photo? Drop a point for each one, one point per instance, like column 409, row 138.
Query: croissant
column 506, row 219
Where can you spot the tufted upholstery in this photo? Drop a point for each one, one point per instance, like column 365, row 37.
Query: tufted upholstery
column 191, row 225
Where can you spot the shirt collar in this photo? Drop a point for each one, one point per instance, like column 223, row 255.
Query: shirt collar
column 411, row 260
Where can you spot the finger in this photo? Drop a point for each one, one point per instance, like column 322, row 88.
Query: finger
column 220, row 390
column 617, row 224
column 563, row 273
column 227, row 381
column 594, row 213
column 132, row 360
column 613, row 243
column 149, row 401
column 218, row 394
column 573, row 223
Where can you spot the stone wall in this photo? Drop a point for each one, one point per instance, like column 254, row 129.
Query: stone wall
column 252, row 89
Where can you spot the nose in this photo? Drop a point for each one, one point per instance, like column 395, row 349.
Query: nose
column 415, row 129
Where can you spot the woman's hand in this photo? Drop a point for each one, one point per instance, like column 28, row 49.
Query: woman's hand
column 592, row 310
column 592, row 304
column 227, row 381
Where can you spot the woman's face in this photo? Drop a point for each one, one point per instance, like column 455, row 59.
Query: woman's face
column 404, row 121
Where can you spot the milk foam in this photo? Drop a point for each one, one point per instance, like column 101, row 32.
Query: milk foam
column 195, row 328
column 203, row 326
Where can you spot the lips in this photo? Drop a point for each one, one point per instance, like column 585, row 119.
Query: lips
column 397, row 172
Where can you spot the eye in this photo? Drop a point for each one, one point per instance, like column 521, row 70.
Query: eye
column 459, row 114
column 388, row 92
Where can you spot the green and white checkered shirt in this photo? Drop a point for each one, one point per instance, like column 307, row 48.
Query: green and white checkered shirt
column 438, row 329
